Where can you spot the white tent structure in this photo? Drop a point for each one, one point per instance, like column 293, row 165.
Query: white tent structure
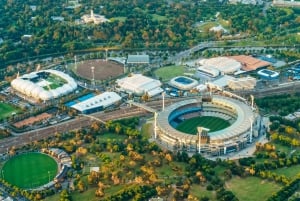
column 39, row 90
column 139, row 85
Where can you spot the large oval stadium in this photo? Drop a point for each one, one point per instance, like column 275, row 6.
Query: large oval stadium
column 223, row 124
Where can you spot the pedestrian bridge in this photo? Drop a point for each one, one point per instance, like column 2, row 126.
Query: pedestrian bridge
column 140, row 105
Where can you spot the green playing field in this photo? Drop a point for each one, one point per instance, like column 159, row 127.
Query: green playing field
column 29, row 170
column 212, row 123
column 6, row 110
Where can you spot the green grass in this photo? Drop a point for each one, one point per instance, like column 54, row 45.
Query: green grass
column 54, row 82
column 290, row 172
column 159, row 17
column 200, row 191
column 29, row 170
column 252, row 188
column 111, row 137
column 146, row 130
column 167, row 73
column 212, row 123
column 121, row 19
column 6, row 110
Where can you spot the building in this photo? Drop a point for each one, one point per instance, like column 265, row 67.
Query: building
column 244, row 124
column 266, row 74
column 183, row 83
column 138, row 59
column 244, row 83
column 97, row 103
column 139, row 85
column 44, row 85
column 224, row 65
column 93, row 18
column 250, row 63
column 207, row 71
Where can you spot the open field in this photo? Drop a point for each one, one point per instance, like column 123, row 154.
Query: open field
column 290, row 172
column 29, row 170
column 251, row 188
column 212, row 123
column 200, row 191
column 6, row 110
column 168, row 72
column 103, row 70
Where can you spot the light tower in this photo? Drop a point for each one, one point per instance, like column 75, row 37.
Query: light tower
column 252, row 102
column 75, row 61
column 251, row 129
column 93, row 75
column 106, row 50
column 202, row 132
column 163, row 100
column 155, row 125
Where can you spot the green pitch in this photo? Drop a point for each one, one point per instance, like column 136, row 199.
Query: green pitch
column 6, row 110
column 29, row 170
column 213, row 123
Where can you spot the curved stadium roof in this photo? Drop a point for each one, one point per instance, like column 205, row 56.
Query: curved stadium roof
column 31, row 89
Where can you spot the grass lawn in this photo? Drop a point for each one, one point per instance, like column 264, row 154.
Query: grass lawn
column 168, row 72
column 213, row 123
column 252, row 188
column 159, row 17
column 200, row 191
column 121, row 19
column 111, row 137
column 30, row 170
column 290, row 172
column 146, row 130
column 6, row 110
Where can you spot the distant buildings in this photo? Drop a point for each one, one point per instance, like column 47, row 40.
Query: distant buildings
column 93, row 18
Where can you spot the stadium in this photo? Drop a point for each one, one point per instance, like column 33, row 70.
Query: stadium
column 237, row 121
column 44, row 85
column 183, row 83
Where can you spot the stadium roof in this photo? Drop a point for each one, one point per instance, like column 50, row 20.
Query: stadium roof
column 223, row 64
column 250, row 63
column 138, row 59
column 241, row 125
column 223, row 81
column 139, row 84
column 25, row 86
column 102, row 100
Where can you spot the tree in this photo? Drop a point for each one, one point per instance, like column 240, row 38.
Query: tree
column 65, row 196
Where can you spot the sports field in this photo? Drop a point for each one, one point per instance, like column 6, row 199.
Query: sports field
column 29, row 170
column 212, row 123
column 6, row 110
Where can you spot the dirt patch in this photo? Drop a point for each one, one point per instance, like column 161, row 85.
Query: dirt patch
column 102, row 69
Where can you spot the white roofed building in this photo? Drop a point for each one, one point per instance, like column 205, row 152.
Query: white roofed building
column 97, row 103
column 44, row 85
column 94, row 18
column 139, row 85
column 224, row 64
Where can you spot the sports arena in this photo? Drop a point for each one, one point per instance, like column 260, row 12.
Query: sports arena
column 183, row 83
column 241, row 118
column 44, row 85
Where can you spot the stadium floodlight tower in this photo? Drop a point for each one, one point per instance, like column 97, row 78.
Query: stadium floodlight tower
column 202, row 133
column 106, row 50
column 252, row 101
column 93, row 75
column 251, row 130
column 163, row 100
column 75, row 61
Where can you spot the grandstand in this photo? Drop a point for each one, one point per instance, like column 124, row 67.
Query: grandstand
column 242, row 118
